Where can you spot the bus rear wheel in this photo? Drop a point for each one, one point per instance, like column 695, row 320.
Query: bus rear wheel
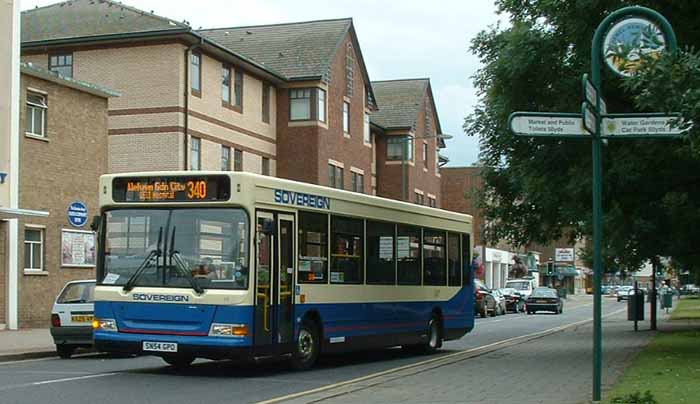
column 308, row 346
column 434, row 334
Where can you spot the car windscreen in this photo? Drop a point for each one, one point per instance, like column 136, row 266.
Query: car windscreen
column 544, row 293
column 82, row 292
column 519, row 285
column 174, row 247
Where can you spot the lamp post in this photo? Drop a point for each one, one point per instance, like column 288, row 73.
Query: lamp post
column 404, row 165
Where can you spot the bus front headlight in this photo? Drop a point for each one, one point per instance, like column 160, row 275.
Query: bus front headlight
column 228, row 330
column 104, row 324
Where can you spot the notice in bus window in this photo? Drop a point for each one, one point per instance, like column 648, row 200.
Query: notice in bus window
column 337, row 277
column 304, row 266
column 386, row 248
column 111, row 279
column 403, row 247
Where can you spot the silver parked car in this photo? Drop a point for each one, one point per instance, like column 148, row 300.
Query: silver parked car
column 71, row 317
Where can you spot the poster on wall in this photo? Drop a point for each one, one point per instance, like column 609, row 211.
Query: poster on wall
column 77, row 248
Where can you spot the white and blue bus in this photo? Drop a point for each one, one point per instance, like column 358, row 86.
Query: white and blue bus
column 229, row 265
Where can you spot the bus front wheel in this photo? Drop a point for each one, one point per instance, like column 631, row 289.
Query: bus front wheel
column 308, row 346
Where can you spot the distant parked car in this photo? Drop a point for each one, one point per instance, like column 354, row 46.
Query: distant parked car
column 523, row 286
column 623, row 292
column 484, row 300
column 514, row 301
column 71, row 317
column 544, row 299
column 500, row 301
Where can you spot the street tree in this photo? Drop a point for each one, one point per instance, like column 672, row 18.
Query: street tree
column 539, row 190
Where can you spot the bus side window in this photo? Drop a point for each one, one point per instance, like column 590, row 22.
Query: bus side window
column 347, row 257
column 434, row 265
column 408, row 255
column 454, row 273
column 381, row 268
column 313, row 248
column 468, row 277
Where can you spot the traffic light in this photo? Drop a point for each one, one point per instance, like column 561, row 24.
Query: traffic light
column 550, row 268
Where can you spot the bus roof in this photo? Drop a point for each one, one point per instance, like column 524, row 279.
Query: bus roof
column 272, row 183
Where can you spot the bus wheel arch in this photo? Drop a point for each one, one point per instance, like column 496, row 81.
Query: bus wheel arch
column 308, row 342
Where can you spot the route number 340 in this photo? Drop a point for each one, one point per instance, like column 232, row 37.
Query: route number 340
column 196, row 189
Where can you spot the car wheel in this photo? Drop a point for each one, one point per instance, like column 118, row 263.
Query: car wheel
column 484, row 311
column 618, row 299
column 521, row 307
column 179, row 361
column 495, row 311
column 65, row 351
column 308, row 346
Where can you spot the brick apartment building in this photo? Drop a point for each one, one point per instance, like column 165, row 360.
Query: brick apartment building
column 407, row 114
column 459, row 187
column 324, row 104
column 290, row 100
column 63, row 151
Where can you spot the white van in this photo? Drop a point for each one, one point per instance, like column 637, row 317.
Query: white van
column 523, row 286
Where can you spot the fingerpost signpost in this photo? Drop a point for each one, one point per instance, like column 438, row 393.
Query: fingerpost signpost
column 622, row 39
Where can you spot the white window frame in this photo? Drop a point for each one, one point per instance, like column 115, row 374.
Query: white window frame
column 225, row 157
column 32, row 106
column 303, row 100
column 321, row 101
column 41, row 242
column 195, row 151
column 346, row 117
column 367, row 136
column 196, row 78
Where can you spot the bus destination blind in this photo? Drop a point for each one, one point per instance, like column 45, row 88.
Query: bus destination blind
column 212, row 188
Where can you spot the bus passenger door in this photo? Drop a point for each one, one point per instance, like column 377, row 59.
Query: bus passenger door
column 264, row 263
column 285, row 283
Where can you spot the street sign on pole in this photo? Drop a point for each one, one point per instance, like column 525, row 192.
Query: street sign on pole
column 641, row 126
column 589, row 118
column 590, row 93
column 620, row 30
column 546, row 124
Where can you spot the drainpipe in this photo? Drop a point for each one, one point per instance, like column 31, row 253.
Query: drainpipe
column 188, row 52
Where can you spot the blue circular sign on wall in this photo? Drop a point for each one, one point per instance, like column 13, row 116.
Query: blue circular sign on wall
column 77, row 214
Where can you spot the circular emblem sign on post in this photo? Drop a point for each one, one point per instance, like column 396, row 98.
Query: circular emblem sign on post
column 77, row 214
column 628, row 40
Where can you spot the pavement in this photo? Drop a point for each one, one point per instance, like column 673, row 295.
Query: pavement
column 26, row 343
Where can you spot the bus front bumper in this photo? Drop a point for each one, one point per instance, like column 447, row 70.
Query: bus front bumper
column 198, row 347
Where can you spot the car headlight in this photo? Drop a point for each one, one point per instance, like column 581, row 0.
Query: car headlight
column 228, row 330
column 104, row 324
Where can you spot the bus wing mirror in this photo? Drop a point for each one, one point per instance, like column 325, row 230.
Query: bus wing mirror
column 95, row 225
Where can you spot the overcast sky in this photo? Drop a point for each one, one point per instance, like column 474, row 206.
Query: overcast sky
column 399, row 39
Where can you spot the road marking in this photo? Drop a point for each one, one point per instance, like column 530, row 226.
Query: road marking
column 84, row 355
column 70, row 379
column 67, row 379
column 430, row 361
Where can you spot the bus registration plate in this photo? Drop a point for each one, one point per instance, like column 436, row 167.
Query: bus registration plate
column 159, row 346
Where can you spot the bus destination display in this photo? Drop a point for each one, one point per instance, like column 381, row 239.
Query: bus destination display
column 210, row 188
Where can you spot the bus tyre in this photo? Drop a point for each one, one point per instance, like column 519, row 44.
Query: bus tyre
column 308, row 346
column 65, row 351
column 179, row 361
column 434, row 341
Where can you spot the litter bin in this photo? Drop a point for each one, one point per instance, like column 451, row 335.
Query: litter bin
column 635, row 307
column 562, row 293
column 667, row 301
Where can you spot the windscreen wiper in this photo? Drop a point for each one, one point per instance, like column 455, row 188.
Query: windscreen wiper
column 174, row 255
column 146, row 263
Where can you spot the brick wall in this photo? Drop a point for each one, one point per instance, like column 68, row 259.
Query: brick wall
column 305, row 148
column 459, row 185
column 147, row 122
column 55, row 173
column 421, row 174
